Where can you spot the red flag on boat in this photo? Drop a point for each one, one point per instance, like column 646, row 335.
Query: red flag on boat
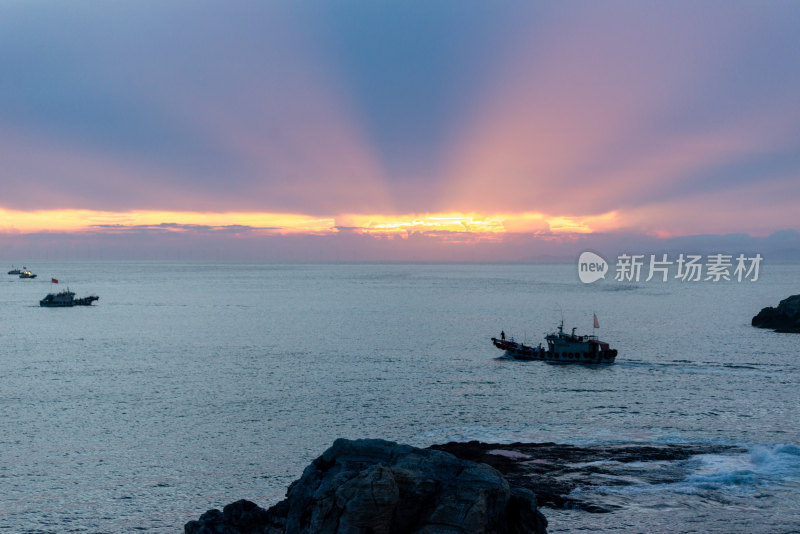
column 53, row 280
column 596, row 324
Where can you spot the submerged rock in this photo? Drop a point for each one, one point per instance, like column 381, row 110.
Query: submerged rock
column 380, row 487
column 784, row 318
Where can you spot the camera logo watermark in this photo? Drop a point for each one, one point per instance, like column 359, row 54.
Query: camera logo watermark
column 591, row 267
column 686, row 268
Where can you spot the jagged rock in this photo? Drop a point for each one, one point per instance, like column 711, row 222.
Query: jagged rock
column 784, row 318
column 240, row 517
column 376, row 486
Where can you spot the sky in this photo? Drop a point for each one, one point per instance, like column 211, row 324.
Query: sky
column 413, row 130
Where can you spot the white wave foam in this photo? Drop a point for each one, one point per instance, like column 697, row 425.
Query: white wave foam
column 719, row 476
column 780, row 461
column 763, row 462
column 762, row 465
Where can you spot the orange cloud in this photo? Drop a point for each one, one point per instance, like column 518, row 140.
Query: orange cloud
column 82, row 220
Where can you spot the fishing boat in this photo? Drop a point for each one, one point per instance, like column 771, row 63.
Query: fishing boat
column 66, row 299
column 27, row 274
column 14, row 270
column 572, row 348
column 561, row 348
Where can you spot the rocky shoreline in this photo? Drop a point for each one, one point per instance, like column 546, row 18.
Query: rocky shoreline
column 554, row 471
column 784, row 319
column 378, row 486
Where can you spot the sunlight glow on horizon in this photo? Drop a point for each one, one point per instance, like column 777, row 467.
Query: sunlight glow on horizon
column 76, row 221
column 79, row 221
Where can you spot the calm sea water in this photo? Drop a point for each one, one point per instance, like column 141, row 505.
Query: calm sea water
column 191, row 385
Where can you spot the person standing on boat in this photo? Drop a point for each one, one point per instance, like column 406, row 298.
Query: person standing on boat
column 502, row 335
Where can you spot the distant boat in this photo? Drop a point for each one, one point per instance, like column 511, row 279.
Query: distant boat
column 14, row 270
column 27, row 274
column 66, row 299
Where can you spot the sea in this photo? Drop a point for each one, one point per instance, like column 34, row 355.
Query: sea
column 190, row 385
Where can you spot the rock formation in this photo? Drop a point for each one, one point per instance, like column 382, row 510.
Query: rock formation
column 784, row 318
column 380, row 487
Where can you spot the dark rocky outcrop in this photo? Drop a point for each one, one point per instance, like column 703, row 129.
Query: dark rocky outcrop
column 784, row 318
column 377, row 487
column 240, row 517
column 381, row 487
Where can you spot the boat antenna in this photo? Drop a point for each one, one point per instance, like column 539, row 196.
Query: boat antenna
column 561, row 311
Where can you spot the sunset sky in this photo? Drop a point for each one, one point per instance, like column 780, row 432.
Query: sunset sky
column 409, row 129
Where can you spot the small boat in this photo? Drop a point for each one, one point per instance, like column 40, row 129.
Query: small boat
column 561, row 348
column 66, row 299
column 27, row 274
column 14, row 270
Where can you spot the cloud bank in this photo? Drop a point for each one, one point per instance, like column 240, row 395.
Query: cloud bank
column 647, row 119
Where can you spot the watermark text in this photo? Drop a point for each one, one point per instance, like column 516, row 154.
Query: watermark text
column 662, row 267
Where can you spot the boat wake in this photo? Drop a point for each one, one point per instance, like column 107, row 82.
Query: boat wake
column 701, row 367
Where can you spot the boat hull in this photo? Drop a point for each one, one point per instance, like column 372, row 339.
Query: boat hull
column 593, row 355
column 86, row 301
column 519, row 351
column 586, row 358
